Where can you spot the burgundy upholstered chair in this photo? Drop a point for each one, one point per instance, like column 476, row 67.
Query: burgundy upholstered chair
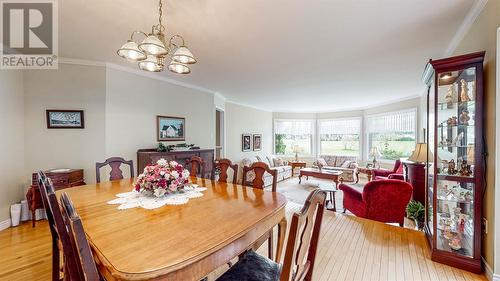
column 396, row 173
column 115, row 163
column 380, row 200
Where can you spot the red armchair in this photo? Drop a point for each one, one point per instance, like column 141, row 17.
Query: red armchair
column 380, row 200
column 396, row 173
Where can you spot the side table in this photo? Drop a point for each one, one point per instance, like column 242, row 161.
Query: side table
column 298, row 164
column 367, row 171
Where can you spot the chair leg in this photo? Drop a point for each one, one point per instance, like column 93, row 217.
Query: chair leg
column 344, row 211
column 56, row 266
column 270, row 246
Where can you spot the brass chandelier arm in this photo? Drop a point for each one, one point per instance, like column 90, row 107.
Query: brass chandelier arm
column 171, row 41
column 137, row 32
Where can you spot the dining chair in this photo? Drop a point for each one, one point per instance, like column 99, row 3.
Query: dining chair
column 196, row 166
column 115, row 163
column 70, row 263
column 258, row 170
column 222, row 165
column 80, row 246
column 56, row 258
column 300, row 253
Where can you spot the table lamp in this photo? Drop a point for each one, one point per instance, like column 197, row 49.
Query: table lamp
column 374, row 153
column 419, row 155
column 297, row 149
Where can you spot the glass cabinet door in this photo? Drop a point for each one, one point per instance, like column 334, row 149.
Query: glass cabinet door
column 455, row 137
column 430, row 160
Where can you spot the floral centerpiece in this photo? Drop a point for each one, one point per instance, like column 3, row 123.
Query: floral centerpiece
column 162, row 178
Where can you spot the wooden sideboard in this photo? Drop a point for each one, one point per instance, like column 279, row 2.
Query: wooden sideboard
column 149, row 156
column 60, row 180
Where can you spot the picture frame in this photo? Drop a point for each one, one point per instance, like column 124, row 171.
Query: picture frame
column 169, row 128
column 257, row 142
column 246, row 142
column 65, row 119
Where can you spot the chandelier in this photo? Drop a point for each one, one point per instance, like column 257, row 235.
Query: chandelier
column 152, row 53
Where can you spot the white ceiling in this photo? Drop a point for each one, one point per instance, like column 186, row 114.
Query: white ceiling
column 281, row 55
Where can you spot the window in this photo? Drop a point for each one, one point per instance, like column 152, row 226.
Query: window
column 340, row 137
column 392, row 133
column 290, row 133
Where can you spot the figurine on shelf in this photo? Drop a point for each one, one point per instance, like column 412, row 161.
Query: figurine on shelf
column 452, row 167
column 451, row 95
column 452, row 121
column 465, row 169
column 458, row 139
column 455, row 244
column 447, row 233
column 464, row 117
column 462, row 219
column 464, row 91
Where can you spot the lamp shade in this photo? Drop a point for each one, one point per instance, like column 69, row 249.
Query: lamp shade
column 374, row 152
column 179, row 68
column 297, row 149
column 419, row 155
column 183, row 55
column 130, row 51
column 151, row 63
column 152, row 45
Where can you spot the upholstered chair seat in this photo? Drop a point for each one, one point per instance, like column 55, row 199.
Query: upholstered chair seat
column 253, row 267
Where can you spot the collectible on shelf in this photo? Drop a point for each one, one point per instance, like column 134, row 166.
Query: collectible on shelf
column 452, row 121
column 447, row 233
column 464, row 91
column 458, row 139
column 461, row 223
column 465, row 169
column 464, row 117
column 455, row 244
column 451, row 95
column 452, row 167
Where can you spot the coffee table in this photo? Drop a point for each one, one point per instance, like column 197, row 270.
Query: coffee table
column 297, row 164
column 324, row 174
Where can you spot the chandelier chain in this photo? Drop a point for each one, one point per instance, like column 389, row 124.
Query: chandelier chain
column 160, row 28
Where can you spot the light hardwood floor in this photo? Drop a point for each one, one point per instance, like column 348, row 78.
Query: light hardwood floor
column 350, row 249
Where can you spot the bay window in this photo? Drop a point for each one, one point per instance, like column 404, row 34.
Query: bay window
column 293, row 133
column 340, row 136
column 393, row 133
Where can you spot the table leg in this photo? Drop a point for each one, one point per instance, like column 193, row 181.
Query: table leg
column 369, row 176
column 300, row 178
column 281, row 239
column 330, row 203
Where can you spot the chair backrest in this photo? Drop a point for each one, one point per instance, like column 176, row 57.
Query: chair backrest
column 386, row 199
column 259, row 169
column 303, row 239
column 70, row 263
column 79, row 242
column 196, row 166
column 115, row 163
column 397, row 164
column 42, row 178
column 222, row 165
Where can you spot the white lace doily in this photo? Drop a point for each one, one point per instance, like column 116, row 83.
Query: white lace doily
column 136, row 199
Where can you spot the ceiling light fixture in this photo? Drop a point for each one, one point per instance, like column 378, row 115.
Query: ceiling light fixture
column 152, row 52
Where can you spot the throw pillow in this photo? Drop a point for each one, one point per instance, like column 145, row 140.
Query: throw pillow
column 346, row 164
column 322, row 162
column 278, row 162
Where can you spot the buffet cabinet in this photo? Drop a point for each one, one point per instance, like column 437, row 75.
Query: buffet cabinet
column 149, row 156
column 455, row 160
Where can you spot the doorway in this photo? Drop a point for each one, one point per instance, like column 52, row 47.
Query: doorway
column 219, row 133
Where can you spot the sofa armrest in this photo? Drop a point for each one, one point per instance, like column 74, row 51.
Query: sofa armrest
column 396, row 177
column 382, row 172
column 351, row 191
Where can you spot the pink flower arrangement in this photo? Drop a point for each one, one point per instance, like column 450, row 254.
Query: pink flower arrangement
column 162, row 178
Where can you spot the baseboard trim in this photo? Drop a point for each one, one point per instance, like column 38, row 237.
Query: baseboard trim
column 489, row 272
column 4, row 224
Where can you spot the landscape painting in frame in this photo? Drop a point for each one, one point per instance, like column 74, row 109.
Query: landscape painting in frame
column 246, row 142
column 171, row 128
column 65, row 119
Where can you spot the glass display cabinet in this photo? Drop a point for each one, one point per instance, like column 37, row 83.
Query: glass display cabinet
column 455, row 164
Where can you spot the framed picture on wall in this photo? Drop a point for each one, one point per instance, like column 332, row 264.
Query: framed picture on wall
column 246, row 142
column 170, row 128
column 257, row 142
column 65, row 119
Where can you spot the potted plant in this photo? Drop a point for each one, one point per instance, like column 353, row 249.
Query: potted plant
column 416, row 211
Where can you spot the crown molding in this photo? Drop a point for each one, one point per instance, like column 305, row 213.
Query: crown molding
column 219, row 95
column 63, row 60
column 469, row 20
column 247, row 105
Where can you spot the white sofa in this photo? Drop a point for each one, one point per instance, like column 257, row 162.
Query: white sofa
column 284, row 171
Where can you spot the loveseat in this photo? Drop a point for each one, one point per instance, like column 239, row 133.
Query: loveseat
column 346, row 164
column 275, row 163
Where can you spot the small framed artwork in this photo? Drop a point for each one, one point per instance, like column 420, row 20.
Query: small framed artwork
column 246, row 142
column 170, row 128
column 257, row 142
column 65, row 119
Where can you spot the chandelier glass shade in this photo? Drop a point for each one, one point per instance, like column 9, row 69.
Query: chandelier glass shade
column 152, row 52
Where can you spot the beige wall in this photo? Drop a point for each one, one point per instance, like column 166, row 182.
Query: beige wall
column 12, row 140
column 245, row 120
column 69, row 87
column 133, row 102
column 482, row 36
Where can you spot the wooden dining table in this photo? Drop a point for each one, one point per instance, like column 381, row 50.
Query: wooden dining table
column 176, row 242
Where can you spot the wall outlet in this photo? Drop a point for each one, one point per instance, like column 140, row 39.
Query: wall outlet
column 485, row 226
